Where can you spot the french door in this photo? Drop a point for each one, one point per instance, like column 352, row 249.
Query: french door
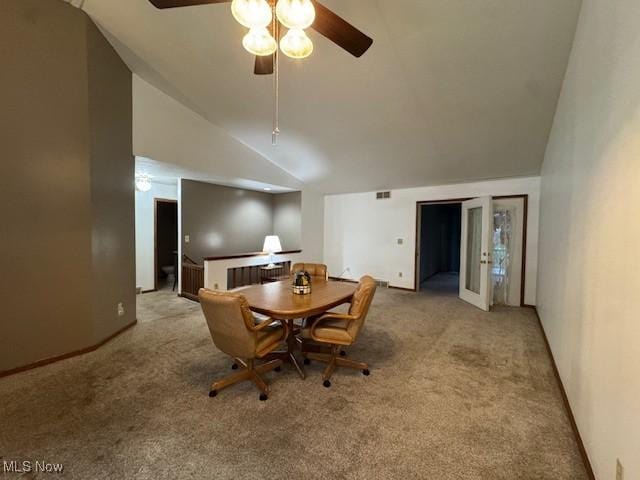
column 475, row 252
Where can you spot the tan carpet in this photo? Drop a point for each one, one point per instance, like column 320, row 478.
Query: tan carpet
column 454, row 393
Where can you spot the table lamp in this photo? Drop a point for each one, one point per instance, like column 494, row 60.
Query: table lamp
column 271, row 245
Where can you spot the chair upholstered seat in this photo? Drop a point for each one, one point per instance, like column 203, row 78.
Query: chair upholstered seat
column 330, row 331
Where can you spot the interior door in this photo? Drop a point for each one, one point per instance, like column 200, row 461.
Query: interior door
column 475, row 252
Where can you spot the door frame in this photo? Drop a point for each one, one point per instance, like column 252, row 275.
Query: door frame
column 155, row 237
column 420, row 203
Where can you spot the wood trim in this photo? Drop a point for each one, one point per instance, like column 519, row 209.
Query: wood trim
column 565, row 400
column 402, row 288
column 155, row 238
column 248, row 255
column 419, row 203
column 64, row 356
column 340, row 279
column 348, row 280
column 188, row 296
column 525, row 220
column 148, row 291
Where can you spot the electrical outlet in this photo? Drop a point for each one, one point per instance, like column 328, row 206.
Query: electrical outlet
column 187, row 239
column 619, row 470
column 400, row 241
column 120, row 309
column 400, row 274
column 215, row 286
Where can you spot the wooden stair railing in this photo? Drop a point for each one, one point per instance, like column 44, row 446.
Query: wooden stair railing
column 192, row 278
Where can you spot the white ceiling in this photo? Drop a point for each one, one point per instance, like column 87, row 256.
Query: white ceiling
column 451, row 90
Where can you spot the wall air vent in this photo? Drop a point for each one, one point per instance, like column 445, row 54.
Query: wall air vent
column 383, row 195
column 383, row 283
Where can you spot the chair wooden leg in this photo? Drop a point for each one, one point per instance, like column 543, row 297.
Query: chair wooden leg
column 334, row 360
column 248, row 372
column 331, row 366
column 262, row 386
column 343, row 362
column 268, row 366
column 228, row 381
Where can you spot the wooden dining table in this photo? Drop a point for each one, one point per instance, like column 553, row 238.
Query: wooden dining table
column 278, row 301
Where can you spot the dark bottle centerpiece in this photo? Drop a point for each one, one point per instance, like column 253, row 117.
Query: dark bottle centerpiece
column 301, row 283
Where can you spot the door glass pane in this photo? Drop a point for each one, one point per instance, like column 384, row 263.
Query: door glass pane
column 474, row 249
column 503, row 220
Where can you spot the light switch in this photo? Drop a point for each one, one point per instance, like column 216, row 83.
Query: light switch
column 186, row 239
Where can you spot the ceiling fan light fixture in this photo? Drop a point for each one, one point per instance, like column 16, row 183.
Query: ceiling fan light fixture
column 259, row 42
column 143, row 182
column 296, row 14
column 296, row 44
column 252, row 13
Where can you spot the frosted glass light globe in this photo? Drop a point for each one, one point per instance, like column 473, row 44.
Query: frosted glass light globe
column 259, row 42
column 252, row 13
column 296, row 44
column 298, row 14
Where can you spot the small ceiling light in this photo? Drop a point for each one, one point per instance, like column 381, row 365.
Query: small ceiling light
column 252, row 13
column 267, row 189
column 143, row 183
column 259, row 42
column 296, row 44
column 298, row 14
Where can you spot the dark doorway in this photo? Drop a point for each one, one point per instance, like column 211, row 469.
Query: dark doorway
column 440, row 247
column 166, row 244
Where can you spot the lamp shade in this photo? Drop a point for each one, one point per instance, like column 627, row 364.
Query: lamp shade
column 272, row 244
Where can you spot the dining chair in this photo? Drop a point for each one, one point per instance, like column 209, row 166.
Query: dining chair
column 236, row 332
column 318, row 270
column 335, row 330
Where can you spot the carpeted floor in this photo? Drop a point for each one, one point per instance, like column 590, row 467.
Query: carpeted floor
column 454, row 393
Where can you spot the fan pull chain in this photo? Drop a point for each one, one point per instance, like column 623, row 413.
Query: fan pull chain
column 276, row 84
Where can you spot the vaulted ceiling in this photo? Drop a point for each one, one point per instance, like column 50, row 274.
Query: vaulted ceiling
column 450, row 91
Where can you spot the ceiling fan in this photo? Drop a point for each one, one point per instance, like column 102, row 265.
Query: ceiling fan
column 265, row 19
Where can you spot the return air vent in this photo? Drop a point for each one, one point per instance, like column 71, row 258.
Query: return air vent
column 383, row 195
column 383, row 283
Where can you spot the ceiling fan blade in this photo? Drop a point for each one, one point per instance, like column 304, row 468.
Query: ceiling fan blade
column 264, row 65
column 183, row 3
column 339, row 31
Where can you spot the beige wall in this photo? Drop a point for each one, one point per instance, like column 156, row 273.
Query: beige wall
column 287, row 219
column 56, row 207
column 589, row 235
column 222, row 220
column 361, row 233
column 112, row 168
